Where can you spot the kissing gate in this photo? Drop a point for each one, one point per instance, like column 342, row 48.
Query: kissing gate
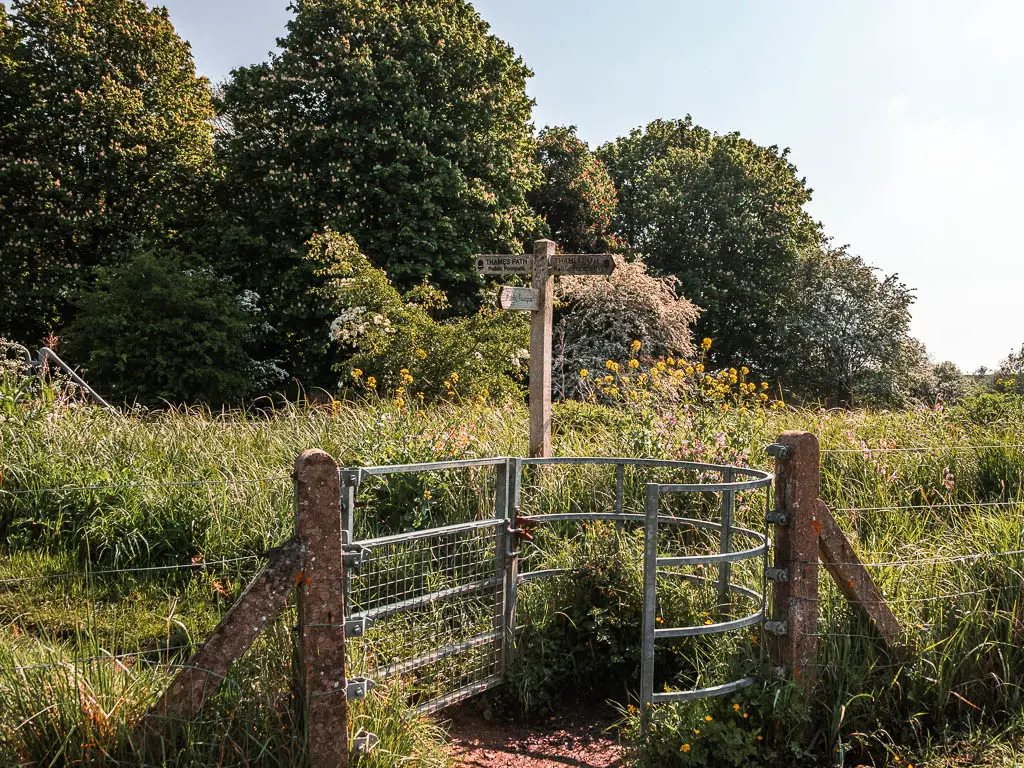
column 430, row 613
column 438, row 605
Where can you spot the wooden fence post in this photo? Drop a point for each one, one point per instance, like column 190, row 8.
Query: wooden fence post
column 792, row 633
column 540, row 351
column 321, row 626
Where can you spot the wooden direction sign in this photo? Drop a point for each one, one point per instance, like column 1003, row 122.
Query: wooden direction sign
column 504, row 264
column 511, row 297
column 582, row 264
column 542, row 265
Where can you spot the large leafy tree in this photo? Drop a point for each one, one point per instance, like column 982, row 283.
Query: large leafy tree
column 577, row 196
column 847, row 338
column 726, row 216
column 402, row 122
column 105, row 141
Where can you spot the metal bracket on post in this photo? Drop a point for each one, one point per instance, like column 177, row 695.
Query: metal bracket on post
column 777, row 517
column 358, row 687
column 777, row 628
column 357, row 627
column 779, row 451
column 355, row 557
column 777, row 574
column 363, row 742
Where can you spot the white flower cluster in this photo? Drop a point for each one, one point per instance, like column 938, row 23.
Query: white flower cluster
column 353, row 322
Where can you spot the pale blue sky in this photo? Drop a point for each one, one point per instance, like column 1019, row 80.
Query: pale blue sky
column 907, row 118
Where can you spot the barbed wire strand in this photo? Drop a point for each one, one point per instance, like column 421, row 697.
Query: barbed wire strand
column 928, row 560
column 927, row 507
column 143, row 569
column 105, row 657
column 925, row 449
column 177, row 484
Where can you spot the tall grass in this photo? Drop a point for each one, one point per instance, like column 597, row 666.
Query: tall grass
column 85, row 493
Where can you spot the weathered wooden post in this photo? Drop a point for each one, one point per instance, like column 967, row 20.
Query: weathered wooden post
column 320, row 640
column 540, row 350
column 543, row 264
column 792, row 632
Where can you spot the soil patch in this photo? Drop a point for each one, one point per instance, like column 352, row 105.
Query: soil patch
column 577, row 738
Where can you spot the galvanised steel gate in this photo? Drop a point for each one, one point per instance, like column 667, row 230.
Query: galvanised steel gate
column 436, row 607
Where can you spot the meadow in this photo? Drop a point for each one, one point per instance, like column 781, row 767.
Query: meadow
column 126, row 538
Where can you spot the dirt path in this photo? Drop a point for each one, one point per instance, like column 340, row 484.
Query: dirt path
column 576, row 738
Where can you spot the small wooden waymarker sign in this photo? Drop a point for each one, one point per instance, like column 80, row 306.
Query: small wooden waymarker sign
column 510, row 297
column 498, row 264
column 582, row 264
column 542, row 265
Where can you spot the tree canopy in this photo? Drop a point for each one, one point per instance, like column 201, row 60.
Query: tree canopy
column 725, row 216
column 104, row 141
column 405, row 124
column 577, row 196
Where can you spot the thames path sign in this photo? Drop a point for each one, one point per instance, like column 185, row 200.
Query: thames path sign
column 543, row 264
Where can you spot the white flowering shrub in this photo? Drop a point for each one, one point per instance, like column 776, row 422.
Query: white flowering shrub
column 390, row 343
column 599, row 318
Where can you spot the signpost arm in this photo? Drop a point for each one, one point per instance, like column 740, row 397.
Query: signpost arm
column 540, row 351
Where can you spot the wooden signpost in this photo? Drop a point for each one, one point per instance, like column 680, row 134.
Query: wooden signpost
column 543, row 264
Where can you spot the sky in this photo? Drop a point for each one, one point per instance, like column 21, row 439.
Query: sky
column 906, row 118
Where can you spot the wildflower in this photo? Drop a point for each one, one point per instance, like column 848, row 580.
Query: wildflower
column 427, row 494
column 760, row 737
column 671, row 361
column 421, row 354
column 584, row 373
column 635, row 346
column 699, row 368
column 684, row 748
column 631, row 709
column 696, row 731
column 764, row 385
column 356, row 373
column 735, row 707
column 689, row 370
column 609, row 379
column 705, row 344
column 744, row 370
column 659, row 620
column 745, row 715
column 455, row 378
column 709, row 718
column 371, row 382
column 634, row 363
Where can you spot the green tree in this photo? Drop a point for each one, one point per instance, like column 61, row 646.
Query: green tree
column 154, row 329
column 405, row 124
column 577, row 197
column 104, row 140
column 726, row 216
column 391, row 343
column 847, row 338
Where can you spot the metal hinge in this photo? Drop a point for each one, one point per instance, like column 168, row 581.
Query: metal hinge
column 778, row 517
column 779, row 451
column 776, row 627
column 354, row 557
column 357, row 627
column 358, row 687
column 777, row 574
column 363, row 742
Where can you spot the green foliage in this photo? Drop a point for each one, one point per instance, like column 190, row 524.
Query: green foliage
column 724, row 215
column 599, row 318
column 848, row 340
column 104, row 139
column 154, row 330
column 391, row 343
column 989, row 409
column 405, row 124
column 577, row 197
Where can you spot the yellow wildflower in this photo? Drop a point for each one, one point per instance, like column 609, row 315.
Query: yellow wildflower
column 671, row 361
column 371, row 382
column 684, row 748
column 634, row 363
column 357, row 372
column 421, row 354
column 744, row 370
column 689, row 370
column 696, row 731
column 709, row 718
column 455, row 378
column 584, row 373
column 706, row 344
column 735, row 707
column 635, row 346
column 700, row 368
column 427, row 494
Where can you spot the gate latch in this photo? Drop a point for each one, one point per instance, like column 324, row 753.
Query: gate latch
column 778, row 517
column 776, row 627
column 779, row 451
column 358, row 687
column 777, row 574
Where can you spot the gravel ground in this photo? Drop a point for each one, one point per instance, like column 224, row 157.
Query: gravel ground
column 574, row 738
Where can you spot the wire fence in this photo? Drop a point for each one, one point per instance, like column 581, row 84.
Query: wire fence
column 126, row 486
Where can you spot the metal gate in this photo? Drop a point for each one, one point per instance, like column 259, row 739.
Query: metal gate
column 437, row 606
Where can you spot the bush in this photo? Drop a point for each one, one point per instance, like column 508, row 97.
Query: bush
column 601, row 317
column 391, row 343
column 155, row 330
